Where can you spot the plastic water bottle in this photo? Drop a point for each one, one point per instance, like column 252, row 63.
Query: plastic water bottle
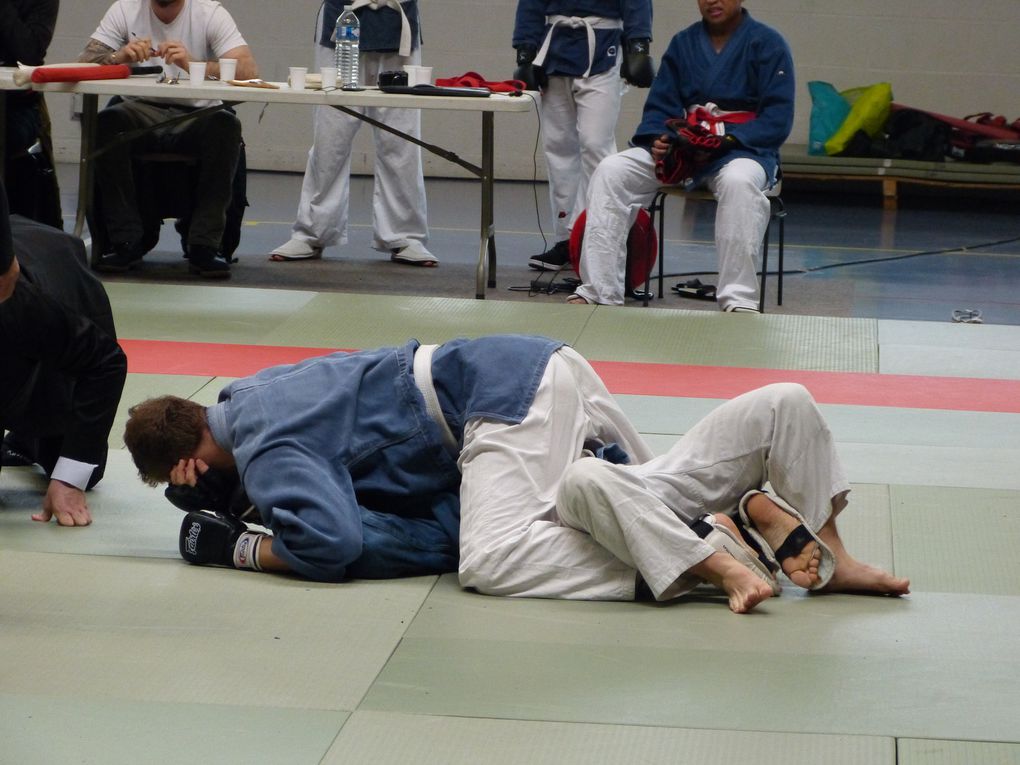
column 348, row 36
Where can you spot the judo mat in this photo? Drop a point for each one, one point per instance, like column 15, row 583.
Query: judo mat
column 115, row 651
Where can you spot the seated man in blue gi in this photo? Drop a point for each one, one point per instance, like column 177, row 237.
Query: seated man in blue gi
column 61, row 369
column 736, row 75
column 178, row 32
column 504, row 430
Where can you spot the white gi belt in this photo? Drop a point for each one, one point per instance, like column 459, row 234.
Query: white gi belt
column 590, row 23
column 423, row 379
column 405, row 25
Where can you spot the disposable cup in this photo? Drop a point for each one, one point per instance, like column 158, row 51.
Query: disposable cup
column 196, row 72
column 328, row 75
column 412, row 74
column 424, row 75
column 297, row 77
column 228, row 69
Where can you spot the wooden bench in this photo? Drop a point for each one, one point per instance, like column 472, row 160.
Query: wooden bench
column 797, row 163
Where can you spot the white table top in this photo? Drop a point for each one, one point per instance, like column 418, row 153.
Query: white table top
column 147, row 87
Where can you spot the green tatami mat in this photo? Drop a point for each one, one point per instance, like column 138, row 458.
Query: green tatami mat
column 947, row 335
column 129, row 518
column 385, row 739
column 200, row 313
column 132, row 629
column 950, row 350
column 837, row 664
column 912, row 751
column 957, row 540
column 335, row 320
column 740, row 340
column 116, row 732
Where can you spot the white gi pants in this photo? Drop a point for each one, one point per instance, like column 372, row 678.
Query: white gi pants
column 399, row 213
column 514, row 545
column 578, row 131
column 626, row 182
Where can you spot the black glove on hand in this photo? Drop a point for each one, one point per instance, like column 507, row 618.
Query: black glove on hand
column 214, row 539
column 638, row 69
column 533, row 77
column 218, row 490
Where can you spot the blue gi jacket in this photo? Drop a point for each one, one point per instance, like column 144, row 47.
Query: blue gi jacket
column 326, row 445
column 568, row 50
column 753, row 72
column 380, row 29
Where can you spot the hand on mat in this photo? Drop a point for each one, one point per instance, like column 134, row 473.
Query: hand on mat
column 66, row 503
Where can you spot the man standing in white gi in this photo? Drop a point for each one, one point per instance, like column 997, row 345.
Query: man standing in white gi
column 390, row 39
column 571, row 50
column 727, row 62
column 507, row 422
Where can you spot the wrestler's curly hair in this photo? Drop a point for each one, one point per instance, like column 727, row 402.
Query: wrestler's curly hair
column 162, row 431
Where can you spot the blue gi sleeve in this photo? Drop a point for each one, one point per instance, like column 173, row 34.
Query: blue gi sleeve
column 529, row 24
column 395, row 546
column 310, row 506
column 666, row 99
column 776, row 87
column 637, row 20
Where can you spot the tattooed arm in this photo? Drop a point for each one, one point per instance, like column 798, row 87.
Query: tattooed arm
column 97, row 53
column 139, row 49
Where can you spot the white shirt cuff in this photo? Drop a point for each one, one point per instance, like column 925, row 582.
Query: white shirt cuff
column 73, row 472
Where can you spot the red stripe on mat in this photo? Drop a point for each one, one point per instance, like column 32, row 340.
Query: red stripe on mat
column 679, row 380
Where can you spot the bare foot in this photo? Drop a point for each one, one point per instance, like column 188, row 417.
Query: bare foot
column 776, row 525
column 576, row 300
column 853, row 576
column 743, row 588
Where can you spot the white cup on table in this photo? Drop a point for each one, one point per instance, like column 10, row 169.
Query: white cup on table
column 228, row 69
column 297, row 77
column 196, row 72
column 424, row 76
column 328, row 75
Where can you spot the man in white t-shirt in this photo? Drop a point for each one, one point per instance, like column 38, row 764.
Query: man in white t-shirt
column 177, row 32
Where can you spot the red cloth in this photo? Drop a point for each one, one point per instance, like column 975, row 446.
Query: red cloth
column 79, row 73
column 475, row 80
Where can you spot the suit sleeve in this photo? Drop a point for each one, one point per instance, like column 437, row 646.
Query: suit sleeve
column 26, row 35
column 665, row 98
column 66, row 344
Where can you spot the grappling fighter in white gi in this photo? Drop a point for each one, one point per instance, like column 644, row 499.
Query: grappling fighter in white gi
column 508, row 428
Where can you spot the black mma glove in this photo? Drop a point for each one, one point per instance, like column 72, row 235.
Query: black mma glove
column 214, row 539
column 533, row 77
column 638, row 69
column 218, row 490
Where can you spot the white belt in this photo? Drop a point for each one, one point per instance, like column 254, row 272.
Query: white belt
column 405, row 25
column 590, row 23
column 423, row 379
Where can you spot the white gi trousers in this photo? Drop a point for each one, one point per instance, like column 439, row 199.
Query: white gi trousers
column 538, row 521
column 399, row 212
column 578, row 131
column 626, row 182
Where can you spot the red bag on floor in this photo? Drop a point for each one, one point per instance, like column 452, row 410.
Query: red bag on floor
column 642, row 249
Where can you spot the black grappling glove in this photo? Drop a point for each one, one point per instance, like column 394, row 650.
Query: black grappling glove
column 218, row 490
column 638, row 69
column 214, row 539
column 533, row 77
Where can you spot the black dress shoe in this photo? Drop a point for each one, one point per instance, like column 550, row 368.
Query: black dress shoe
column 124, row 256
column 207, row 263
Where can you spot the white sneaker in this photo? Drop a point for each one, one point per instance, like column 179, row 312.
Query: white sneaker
column 413, row 253
column 295, row 249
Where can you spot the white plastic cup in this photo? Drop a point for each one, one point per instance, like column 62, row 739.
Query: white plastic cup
column 328, row 75
column 228, row 69
column 424, row 75
column 196, row 72
column 412, row 74
column 297, row 77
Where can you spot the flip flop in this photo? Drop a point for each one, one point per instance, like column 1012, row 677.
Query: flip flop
column 694, row 288
column 721, row 539
column 793, row 543
column 295, row 249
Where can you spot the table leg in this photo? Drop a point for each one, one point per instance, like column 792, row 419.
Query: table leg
column 86, row 174
column 487, row 246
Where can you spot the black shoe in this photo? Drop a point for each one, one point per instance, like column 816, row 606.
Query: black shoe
column 124, row 257
column 207, row 263
column 11, row 456
column 556, row 258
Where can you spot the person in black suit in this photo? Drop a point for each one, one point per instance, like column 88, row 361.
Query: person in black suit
column 63, row 372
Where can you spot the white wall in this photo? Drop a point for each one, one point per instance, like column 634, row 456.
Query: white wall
column 944, row 55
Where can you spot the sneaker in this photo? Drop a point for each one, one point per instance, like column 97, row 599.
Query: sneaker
column 296, row 249
column 413, row 253
column 207, row 263
column 556, row 258
column 123, row 258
